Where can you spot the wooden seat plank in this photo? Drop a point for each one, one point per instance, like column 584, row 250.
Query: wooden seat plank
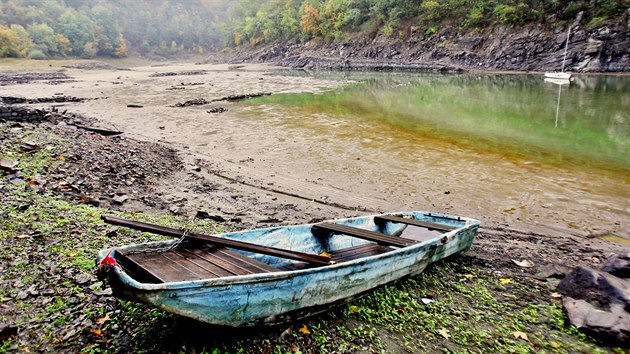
column 414, row 222
column 377, row 237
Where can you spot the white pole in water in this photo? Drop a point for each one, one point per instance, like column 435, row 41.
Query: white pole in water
column 566, row 46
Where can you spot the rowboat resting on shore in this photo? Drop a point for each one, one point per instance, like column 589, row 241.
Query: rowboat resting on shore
column 272, row 275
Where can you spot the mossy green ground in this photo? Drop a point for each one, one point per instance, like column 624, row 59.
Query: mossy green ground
column 457, row 305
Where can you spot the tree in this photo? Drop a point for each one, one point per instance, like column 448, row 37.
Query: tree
column 63, row 44
column 310, row 20
column 105, row 29
column 121, row 49
column 44, row 38
column 77, row 28
column 25, row 43
column 89, row 50
column 8, row 43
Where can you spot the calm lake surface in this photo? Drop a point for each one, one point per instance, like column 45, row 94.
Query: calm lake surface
column 583, row 125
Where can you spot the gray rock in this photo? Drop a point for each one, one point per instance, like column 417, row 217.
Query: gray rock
column 82, row 278
column 120, row 199
column 618, row 265
column 593, row 46
column 598, row 303
column 612, row 324
column 596, row 287
column 106, row 292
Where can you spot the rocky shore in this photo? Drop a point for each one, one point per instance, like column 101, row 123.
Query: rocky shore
column 602, row 49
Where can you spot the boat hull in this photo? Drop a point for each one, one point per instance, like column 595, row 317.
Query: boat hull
column 272, row 298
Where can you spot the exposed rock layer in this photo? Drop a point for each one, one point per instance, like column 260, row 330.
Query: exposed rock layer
column 601, row 49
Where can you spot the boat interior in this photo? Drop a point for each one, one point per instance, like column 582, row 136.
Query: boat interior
column 195, row 258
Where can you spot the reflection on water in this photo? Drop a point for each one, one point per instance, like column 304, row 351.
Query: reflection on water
column 514, row 115
column 559, row 83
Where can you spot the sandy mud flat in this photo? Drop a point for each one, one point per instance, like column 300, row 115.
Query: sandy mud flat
column 251, row 172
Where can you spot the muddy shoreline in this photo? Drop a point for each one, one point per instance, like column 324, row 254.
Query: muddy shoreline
column 220, row 175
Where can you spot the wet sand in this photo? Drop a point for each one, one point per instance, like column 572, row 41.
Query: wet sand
column 264, row 165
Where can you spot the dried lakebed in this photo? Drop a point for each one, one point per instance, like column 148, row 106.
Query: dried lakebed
column 66, row 177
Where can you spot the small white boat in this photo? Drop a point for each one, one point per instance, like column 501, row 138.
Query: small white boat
column 558, row 76
column 561, row 74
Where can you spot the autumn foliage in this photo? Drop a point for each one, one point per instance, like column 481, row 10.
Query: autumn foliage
column 264, row 21
column 310, row 20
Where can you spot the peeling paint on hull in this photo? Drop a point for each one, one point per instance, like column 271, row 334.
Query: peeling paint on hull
column 271, row 298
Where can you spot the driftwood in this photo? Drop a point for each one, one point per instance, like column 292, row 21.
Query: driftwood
column 241, row 97
column 231, row 98
column 103, row 132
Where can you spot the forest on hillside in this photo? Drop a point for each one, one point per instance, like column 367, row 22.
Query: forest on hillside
column 264, row 21
column 41, row 29
column 87, row 28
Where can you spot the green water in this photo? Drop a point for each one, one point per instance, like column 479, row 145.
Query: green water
column 585, row 124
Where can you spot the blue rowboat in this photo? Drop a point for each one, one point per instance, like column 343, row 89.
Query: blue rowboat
column 272, row 275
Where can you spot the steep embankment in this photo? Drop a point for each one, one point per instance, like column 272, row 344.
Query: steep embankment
column 601, row 49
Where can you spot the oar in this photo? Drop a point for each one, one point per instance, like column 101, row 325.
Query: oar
column 219, row 241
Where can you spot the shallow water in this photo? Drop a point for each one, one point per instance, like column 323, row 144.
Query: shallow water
column 585, row 124
column 511, row 146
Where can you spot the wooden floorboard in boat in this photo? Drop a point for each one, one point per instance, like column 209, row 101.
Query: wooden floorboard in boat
column 211, row 257
column 352, row 253
column 241, row 260
column 345, row 255
column 165, row 268
column 195, row 261
column 185, row 263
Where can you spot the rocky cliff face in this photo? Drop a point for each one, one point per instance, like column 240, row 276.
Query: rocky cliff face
column 602, row 49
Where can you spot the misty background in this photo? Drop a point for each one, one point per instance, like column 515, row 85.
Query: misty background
column 39, row 29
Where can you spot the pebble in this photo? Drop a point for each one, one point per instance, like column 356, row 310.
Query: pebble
column 106, row 292
column 120, row 199
column 82, row 278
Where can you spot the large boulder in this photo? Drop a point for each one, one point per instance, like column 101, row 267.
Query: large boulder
column 598, row 302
